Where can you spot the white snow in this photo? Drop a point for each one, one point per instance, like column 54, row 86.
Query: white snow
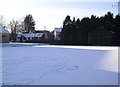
column 31, row 35
column 3, row 30
column 59, row 65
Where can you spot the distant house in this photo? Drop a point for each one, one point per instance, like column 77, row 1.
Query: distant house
column 4, row 35
column 31, row 37
column 57, row 32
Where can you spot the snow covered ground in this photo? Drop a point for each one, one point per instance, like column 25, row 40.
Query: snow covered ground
column 34, row 64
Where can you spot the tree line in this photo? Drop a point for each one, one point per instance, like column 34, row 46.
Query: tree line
column 104, row 30
column 24, row 25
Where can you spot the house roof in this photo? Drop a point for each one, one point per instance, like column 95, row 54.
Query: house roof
column 31, row 35
column 3, row 30
column 58, row 29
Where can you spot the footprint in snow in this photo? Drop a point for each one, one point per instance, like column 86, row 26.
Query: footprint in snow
column 73, row 68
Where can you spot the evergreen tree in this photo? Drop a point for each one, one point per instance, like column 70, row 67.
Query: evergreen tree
column 104, row 30
column 29, row 23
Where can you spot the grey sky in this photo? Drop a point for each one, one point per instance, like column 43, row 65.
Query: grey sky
column 51, row 13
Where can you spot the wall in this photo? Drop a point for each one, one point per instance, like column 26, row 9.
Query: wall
column 4, row 38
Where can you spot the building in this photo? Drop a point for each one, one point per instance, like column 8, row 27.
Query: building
column 31, row 37
column 4, row 35
column 57, row 32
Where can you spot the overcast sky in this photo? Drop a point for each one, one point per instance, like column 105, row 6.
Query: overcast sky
column 51, row 13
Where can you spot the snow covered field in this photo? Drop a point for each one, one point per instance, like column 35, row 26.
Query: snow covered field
column 34, row 64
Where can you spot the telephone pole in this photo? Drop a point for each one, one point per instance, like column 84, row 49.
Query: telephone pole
column 44, row 28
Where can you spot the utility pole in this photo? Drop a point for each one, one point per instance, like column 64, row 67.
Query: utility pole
column 44, row 28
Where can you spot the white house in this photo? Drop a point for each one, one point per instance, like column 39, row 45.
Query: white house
column 4, row 35
column 30, row 36
column 57, row 32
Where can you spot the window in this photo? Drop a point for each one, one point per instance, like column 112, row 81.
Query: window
column 3, row 36
column 28, row 38
column 24, row 38
column 36, row 38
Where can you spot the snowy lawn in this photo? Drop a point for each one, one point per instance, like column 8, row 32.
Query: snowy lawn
column 59, row 65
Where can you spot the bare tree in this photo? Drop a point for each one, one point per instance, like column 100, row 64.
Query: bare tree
column 2, row 21
column 13, row 26
column 21, row 27
column 16, row 26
